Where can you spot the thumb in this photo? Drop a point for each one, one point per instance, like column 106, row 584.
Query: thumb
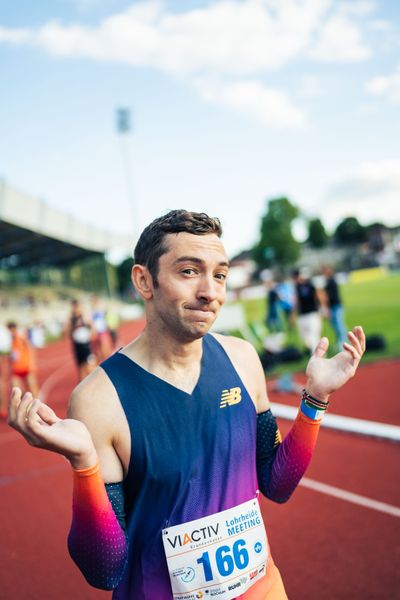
column 321, row 348
column 47, row 414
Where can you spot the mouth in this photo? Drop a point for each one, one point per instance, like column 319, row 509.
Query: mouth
column 201, row 311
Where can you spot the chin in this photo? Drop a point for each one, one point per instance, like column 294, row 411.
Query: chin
column 196, row 332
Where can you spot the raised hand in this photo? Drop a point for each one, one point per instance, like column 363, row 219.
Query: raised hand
column 41, row 428
column 326, row 375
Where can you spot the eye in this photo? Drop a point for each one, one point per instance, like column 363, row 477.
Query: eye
column 221, row 276
column 189, row 271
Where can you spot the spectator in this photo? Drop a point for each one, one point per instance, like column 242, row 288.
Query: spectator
column 5, row 347
column 79, row 330
column 112, row 320
column 287, row 300
column 22, row 362
column 333, row 306
column 307, row 306
column 101, row 341
column 273, row 319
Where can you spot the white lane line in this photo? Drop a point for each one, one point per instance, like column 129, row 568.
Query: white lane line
column 52, row 379
column 50, row 470
column 340, row 423
column 331, row 490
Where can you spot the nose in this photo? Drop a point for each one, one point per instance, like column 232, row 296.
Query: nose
column 207, row 290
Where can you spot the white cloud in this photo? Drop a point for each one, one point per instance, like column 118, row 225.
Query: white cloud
column 387, row 86
column 370, row 193
column 269, row 106
column 227, row 36
column 225, row 39
column 340, row 40
column 15, row 36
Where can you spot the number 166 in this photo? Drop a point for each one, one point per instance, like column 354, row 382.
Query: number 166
column 225, row 561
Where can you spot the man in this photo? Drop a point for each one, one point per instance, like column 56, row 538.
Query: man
column 101, row 341
column 307, row 307
column 333, row 305
column 79, row 330
column 22, row 361
column 5, row 347
column 273, row 319
column 170, row 424
column 287, row 300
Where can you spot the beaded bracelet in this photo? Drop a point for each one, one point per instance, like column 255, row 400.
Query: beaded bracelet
column 313, row 400
column 312, row 407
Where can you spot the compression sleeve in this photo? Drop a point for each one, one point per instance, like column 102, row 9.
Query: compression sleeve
column 281, row 465
column 96, row 541
column 116, row 496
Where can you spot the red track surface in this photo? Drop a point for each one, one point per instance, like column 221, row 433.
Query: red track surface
column 326, row 548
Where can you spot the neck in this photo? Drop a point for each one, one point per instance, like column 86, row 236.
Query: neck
column 152, row 350
column 176, row 362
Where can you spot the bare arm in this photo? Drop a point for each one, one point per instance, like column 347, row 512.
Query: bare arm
column 280, row 469
column 97, row 539
column 97, row 542
column 94, row 402
column 280, row 465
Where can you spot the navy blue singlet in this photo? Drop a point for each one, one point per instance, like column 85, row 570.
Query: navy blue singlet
column 192, row 455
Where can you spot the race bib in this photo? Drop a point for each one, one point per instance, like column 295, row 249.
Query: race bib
column 221, row 555
column 81, row 335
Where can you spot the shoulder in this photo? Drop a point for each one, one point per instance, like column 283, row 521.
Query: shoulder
column 94, row 399
column 247, row 363
column 237, row 349
column 95, row 402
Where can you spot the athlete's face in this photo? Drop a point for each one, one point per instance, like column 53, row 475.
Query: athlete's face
column 191, row 284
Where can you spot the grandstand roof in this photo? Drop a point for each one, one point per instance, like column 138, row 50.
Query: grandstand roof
column 33, row 233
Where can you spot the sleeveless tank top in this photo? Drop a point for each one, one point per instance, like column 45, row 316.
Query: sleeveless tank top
column 192, row 455
column 21, row 356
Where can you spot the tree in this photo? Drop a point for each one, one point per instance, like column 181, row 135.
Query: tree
column 277, row 244
column 317, row 236
column 349, row 231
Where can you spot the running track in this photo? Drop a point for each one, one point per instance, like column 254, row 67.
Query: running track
column 326, row 547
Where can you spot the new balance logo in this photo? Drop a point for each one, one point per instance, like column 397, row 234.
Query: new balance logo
column 278, row 438
column 230, row 397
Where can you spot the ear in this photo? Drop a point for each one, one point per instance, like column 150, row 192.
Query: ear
column 142, row 281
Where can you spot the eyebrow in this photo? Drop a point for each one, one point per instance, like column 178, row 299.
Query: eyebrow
column 199, row 261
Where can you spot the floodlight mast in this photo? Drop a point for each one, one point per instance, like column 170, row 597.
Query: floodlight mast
column 123, row 125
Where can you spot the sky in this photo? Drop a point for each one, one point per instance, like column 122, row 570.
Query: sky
column 232, row 103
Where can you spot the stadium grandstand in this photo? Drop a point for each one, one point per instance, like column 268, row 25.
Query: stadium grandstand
column 48, row 257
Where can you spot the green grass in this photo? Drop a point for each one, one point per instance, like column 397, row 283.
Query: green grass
column 374, row 304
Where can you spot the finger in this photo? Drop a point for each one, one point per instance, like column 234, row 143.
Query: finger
column 47, row 414
column 355, row 341
column 359, row 332
column 15, row 400
column 352, row 350
column 321, row 348
column 33, row 426
column 23, row 409
column 32, row 413
column 33, row 422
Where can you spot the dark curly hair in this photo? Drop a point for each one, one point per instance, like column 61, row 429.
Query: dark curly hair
column 151, row 244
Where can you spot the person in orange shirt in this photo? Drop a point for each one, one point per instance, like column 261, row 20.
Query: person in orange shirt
column 22, row 363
